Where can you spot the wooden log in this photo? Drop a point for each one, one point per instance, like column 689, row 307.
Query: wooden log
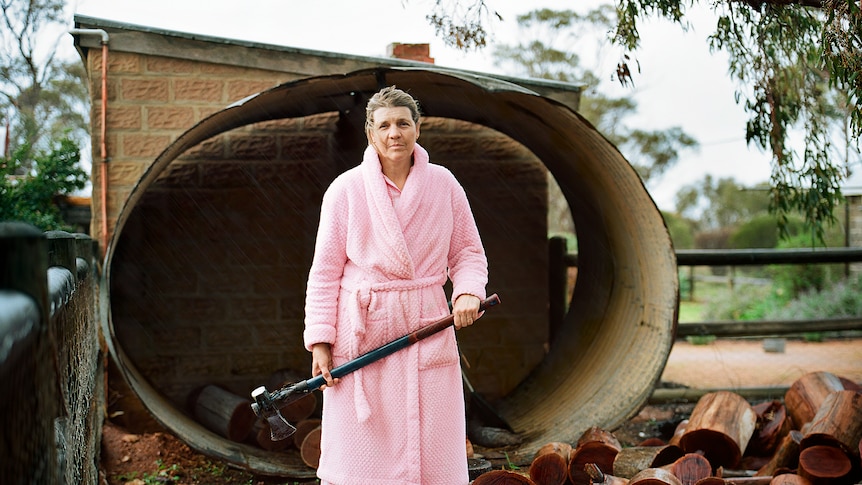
column 550, row 465
column 720, row 427
column 786, row 456
column 596, row 446
column 654, row 476
column 789, row 479
column 599, row 478
column 224, row 412
column 302, row 429
column 711, row 481
column 502, row 477
column 310, row 448
column 837, row 423
column 678, row 432
column 825, row 465
column 629, row 461
column 805, row 395
column 772, row 426
column 690, row 468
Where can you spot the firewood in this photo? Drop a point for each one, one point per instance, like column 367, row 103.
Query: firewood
column 838, row 422
column 773, row 424
column 224, row 412
column 786, row 456
column 690, row 468
column 822, row 464
column 631, row 460
column 550, row 465
column 502, row 477
column 710, row 481
column 805, row 395
column 599, row 478
column 310, row 448
column 789, row 479
column 302, row 429
column 654, row 476
column 678, row 432
column 720, row 427
column 597, row 446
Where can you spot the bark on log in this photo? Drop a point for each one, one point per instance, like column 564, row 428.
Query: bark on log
column 807, row 393
column 654, row 476
column 772, row 426
column 596, row 446
column 720, row 426
column 837, row 423
column 599, row 478
column 502, row 477
column 224, row 412
column 310, row 448
column 302, row 429
column 786, row 456
column 825, row 465
column 629, row 461
column 550, row 465
column 690, row 468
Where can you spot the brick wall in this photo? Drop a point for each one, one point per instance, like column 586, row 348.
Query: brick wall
column 208, row 276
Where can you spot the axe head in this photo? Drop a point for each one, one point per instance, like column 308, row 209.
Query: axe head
column 265, row 406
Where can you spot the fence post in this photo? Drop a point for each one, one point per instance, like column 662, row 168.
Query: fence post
column 27, row 378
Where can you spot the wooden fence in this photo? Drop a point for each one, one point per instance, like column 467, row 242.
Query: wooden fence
column 51, row 362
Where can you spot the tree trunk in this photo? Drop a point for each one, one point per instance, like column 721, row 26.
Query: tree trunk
column 654, row 476
column 720, row 427
column 550, row 465
column 805, row 395
column 786, row 457
column 310, row 448
column 596, row 446
column 690, row 468
column 224, row 412
column 630, row 461
column 824, row 465
column 502, row 477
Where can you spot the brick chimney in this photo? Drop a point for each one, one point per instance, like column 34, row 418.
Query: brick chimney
column 412, row 52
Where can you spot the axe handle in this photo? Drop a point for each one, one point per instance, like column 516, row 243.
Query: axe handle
column 394, row 346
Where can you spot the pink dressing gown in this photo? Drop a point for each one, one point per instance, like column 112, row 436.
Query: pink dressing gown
column 381, row 260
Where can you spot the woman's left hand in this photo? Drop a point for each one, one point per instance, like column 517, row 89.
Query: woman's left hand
column 466, row 310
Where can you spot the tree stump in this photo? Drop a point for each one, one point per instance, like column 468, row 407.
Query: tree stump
column 720, row 427
column 805, row 395
column 550, row 465
column 629, row 461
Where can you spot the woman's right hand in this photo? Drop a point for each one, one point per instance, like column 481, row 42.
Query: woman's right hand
column 321, row 363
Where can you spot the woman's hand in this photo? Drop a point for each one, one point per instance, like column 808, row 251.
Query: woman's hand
column 466, row 310
column 321, row 363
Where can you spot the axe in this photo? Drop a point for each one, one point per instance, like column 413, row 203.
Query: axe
column 267, row 404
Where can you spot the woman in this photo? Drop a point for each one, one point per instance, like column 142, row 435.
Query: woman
column 391, row 231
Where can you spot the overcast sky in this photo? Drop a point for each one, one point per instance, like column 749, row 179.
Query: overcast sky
column 680, row 83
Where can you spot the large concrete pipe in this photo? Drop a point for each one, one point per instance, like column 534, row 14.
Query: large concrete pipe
column 598, row 370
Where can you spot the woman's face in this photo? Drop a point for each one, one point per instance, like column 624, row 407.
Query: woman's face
column 393, row 134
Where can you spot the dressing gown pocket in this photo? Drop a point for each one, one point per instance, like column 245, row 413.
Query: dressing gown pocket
column 438, row 350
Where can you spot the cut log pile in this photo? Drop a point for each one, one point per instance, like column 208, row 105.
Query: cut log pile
column 813, row 437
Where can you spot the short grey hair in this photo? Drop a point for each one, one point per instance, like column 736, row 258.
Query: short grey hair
column 390, row 97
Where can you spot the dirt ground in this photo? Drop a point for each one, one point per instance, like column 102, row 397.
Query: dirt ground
column 152, row 457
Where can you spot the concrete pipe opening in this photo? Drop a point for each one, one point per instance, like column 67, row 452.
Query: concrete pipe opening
column 206, row 268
